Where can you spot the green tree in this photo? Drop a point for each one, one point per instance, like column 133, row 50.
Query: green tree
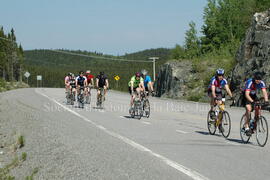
column 192, row 43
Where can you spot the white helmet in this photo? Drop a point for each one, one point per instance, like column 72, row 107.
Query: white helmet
column 88, row 71
column 144, row 72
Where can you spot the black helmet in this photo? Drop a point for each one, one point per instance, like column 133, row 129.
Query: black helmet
column 257, row 76
column 101, row 73
column 81, row 72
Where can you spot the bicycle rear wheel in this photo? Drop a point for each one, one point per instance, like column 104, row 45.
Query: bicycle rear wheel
column 211, row 124
column 226, row 124
column 262, row 131
column 243, row 134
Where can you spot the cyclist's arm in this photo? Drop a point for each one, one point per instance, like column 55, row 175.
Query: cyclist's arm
column 107, row 83
column 97, row 80
column 213, row 88
column 265, row 95
column 151, row 85
column 247, row 94
column 228, row 90
column 92, row 82
column 85, row 83
column 131, row 85
column 142, row 86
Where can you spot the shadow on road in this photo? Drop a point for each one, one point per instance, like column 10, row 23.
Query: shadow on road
column 206, row 133
column 128, row 117
column 238, row 141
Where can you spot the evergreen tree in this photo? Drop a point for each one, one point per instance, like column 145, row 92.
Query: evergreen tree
column 192, row 44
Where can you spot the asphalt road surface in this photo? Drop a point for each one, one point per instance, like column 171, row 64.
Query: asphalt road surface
column 71, row 143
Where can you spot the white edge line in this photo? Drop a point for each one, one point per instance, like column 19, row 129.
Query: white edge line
column 180, row 131
column 146, row 122
column 189, row 172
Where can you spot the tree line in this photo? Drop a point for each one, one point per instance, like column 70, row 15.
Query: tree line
column 11, row 56
column 225, row 25
column 54, row 66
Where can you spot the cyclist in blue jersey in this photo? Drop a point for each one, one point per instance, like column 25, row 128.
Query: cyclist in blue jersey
column 148, row 84
column 251, row 86
column 217, row 83
column 81, row 82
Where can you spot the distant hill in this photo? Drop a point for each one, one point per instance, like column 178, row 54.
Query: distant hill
column 53, row 66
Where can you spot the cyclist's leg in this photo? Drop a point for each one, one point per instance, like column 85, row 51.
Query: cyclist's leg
column 248, row 112
column 138, row 91
column 78, row 89
column 105, row 90
column 98, row 92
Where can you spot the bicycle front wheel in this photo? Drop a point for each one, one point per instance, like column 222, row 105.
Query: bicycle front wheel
column 146, row 108
column 262, row 131
column 211, row 124
column 226, row 124
column 243, row 134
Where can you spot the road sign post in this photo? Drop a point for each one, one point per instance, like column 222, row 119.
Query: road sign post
column 117, row 78
column 154, row 66
column 39, row 78
column 27, row 75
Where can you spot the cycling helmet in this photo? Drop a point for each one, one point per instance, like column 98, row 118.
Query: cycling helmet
column 258, row 76
column 137, row 74
column 101, row 73
column 144, row 72
column 69, row 74
column 81, row 72
column 88, row 72
column 220, row 72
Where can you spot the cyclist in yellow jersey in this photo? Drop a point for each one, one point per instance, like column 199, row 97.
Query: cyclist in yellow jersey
column 136, row 84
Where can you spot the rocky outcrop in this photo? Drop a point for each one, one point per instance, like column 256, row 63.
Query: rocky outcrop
column 253, row 54
column 177, row 79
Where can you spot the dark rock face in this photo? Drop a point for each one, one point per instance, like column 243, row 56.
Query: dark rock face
column 253, row 54
column 172, row 79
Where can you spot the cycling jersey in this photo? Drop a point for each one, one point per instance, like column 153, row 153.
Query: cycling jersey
column 67, row 79
column 135, row 82
column 80, row 80
column 89, row 78
column 101, row 80
column 251, row 86
column 218, row 84
column 147, row 80
column 72, row 82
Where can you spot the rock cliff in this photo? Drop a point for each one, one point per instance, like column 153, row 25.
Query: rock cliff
column 253, row 54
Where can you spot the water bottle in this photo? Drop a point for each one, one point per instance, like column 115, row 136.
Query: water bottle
column 251, row 124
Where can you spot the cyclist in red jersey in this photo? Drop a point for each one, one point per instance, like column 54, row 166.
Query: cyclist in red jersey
column 90, row 80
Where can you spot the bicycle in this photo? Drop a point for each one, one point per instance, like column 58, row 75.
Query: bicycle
column 221, row 120
column 137, row 108
column 88, row 95
column 100, row 98
column 81, row 97
column 146, row 104
column 258, row 124
column 70, row 96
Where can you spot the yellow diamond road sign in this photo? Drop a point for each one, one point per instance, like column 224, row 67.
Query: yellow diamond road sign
column 117, row 78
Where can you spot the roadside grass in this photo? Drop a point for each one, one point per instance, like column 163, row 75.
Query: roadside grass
column 17, row 161
column 20, row 142
column 31, row 177
column 24, row 156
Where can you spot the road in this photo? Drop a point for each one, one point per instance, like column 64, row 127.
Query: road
column 71, row 143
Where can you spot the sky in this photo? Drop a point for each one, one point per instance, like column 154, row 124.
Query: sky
column 108, row 26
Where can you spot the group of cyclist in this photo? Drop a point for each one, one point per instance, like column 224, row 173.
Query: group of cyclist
column 252, row 85
column 140, row 82
column 86, row 81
